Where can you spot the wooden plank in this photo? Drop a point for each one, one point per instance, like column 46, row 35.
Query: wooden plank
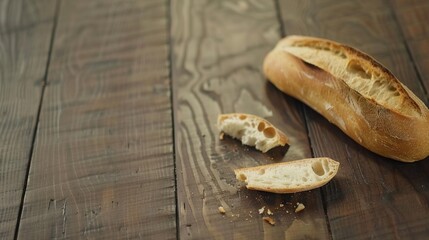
column 23, row 57
column 24, row 14
column 103, row 162
column 412, row 18
column 218, row 49
column 371, row 197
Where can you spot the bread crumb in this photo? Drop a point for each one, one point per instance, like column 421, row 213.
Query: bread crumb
column 261, row 210
column 269, row 212
column 221, row 135
column 299, row 208
column 221, row 210
column 282, row 205
column 269, row 220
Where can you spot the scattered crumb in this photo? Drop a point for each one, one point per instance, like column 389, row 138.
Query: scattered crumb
column 300, row 207
column 261, row 210
column 221, row 210
column 269, row 220
column 269, row 212
column 287, row 211
column 221, row 135
column 282, row 205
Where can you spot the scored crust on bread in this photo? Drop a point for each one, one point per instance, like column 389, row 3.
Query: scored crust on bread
column 354, row 92
column 289, row 177
column 251, row 130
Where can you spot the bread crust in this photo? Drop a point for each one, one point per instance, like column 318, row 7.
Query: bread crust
column 400, row 132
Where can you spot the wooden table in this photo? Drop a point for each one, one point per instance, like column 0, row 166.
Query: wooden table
column 108, row 111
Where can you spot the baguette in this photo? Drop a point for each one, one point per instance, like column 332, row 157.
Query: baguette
column 354, row 92
column 289, row 177
column 251, row 130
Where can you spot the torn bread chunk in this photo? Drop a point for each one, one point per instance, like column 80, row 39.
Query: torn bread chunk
column 252, row 130
column 289, row 177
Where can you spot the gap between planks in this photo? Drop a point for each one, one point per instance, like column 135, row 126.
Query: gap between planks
column 34, row 135
column 174, row 104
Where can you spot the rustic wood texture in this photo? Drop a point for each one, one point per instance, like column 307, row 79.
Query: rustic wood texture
column 87, row 145
column 24, row 50
column 371, row 197
column 19, row 15
column 412, row 16
column 103, row 162
column 218, row 49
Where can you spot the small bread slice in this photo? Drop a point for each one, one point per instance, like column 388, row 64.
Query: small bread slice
column 251, row 130
column 289, row 177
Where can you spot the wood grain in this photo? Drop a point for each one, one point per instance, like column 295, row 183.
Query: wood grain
column 411, row 18
column 218, row 49
column 18, row 15
column 103, row 162
column 371, row 197
column 23, row 57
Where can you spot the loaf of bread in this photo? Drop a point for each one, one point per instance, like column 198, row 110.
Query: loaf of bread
column 354, row 92
column 251, row 130
column 289, row 177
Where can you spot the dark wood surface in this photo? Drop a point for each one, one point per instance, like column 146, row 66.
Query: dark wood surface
column 108, row 111
column 25, row 36
column 102, row 165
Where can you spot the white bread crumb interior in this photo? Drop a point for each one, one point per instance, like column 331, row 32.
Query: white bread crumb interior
column 251, row 130
column 289, row 177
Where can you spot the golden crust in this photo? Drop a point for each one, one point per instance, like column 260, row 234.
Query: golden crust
column 398, row 134
column 410, row 100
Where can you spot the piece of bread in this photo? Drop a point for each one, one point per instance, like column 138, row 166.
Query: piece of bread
column 354, row 92
column 289, row 177
column 251, row 130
